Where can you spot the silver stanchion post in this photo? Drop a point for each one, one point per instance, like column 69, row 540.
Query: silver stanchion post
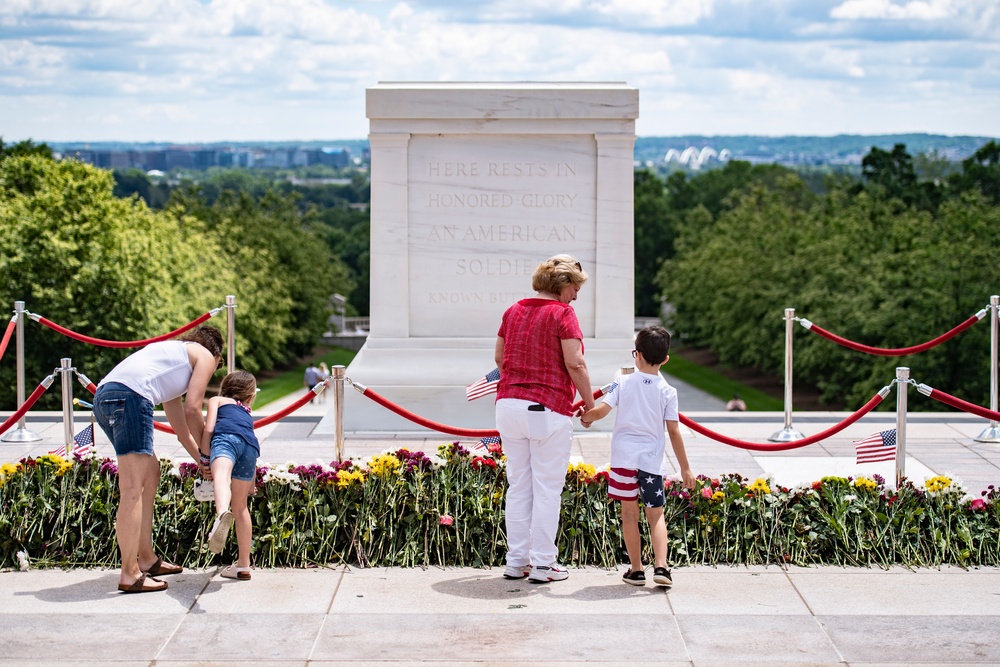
column 66, row 370
column 992, row 432
column 788, row 434
column 337, row 374
column 231, row 332
column 21, row 433
column 902, row 385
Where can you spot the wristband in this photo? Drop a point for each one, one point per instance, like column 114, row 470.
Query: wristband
column 206, row 460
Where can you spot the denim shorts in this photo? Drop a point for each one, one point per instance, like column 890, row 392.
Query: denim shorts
column 236, row 449
column 125, row 417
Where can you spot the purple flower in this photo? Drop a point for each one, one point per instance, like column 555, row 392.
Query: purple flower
column 187, row 470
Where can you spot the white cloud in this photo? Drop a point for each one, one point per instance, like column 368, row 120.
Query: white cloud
column 921, row 10
column 268, row 69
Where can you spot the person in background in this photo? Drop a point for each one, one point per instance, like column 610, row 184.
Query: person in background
column 646, row 402
column 230, row 441
column 539, row 352
column 160, row 373
column 736, row 404
column 324, row 373
column 311, row 378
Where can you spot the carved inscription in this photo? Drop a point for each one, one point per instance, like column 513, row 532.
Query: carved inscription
column 487, row 221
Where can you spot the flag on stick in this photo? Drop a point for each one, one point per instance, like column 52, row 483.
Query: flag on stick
column 84, row 440
column 483, row 386
column 878, row 447
column 484, row 443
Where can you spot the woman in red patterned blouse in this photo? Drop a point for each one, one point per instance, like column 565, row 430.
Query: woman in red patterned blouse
column 539, row 352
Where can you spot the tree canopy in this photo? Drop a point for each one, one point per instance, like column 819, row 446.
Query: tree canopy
column 890, row 262
column 112, row 268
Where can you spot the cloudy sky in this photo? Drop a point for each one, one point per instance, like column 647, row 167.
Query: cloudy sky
column 243, row 70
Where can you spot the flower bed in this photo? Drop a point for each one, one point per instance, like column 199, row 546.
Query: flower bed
column 408, row 509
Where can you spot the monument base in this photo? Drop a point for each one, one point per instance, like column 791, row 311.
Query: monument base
column 428, row 377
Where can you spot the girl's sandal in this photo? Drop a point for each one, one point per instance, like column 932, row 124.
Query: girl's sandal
column 236, row 572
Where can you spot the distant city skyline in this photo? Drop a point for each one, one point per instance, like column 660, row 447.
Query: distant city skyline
column 216, row 71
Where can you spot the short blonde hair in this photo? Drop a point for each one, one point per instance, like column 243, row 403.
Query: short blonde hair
column 556, row 272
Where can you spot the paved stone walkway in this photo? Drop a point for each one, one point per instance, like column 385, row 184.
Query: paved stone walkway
column 454, row 616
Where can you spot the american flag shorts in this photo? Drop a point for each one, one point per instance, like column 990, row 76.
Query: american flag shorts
column 625, row 485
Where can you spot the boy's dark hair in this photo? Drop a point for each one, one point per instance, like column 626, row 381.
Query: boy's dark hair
column 239, row 385
column 209, row 338
column 653, row 343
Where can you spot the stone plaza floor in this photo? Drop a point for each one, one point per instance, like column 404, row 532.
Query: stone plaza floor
column 460, row 616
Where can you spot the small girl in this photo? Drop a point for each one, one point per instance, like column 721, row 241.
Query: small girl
column 234, row 450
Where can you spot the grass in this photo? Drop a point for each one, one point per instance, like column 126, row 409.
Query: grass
column 279, row 386
column 720, row 386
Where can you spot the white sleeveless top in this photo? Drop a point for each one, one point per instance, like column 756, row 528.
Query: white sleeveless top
column 158, row 372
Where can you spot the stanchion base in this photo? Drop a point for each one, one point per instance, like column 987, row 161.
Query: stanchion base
column 787, row 434
column 991, row 434
column 21, row 435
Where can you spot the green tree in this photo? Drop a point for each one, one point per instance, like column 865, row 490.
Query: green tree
column 981, row 172
column 23, row 148
column 105, row 267
column 285, row 272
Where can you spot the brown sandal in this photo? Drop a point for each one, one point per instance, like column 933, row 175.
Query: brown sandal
column 161, row 567
column 139, row 585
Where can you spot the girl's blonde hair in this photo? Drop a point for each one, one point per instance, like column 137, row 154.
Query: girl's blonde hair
column 239, row 385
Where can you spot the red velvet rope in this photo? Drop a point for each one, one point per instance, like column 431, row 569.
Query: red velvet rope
column 6, row 336
column 897, row 352
column 781, row 446
column 965, row 406
column 114, row 343
column 30, row 401
column 416, row 419
column 263, row 421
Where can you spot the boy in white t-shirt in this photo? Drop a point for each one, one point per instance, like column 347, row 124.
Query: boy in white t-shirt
column 645, row 403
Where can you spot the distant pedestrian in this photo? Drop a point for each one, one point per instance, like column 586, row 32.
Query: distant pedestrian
column 324, row 373
column 230, row 441
column 736, row 404
column 311, row 378
column 646, row 403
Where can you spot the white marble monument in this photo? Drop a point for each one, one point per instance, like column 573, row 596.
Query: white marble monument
column 473, row 184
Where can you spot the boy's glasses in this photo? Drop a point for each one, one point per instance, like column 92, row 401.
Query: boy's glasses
column 634, row 353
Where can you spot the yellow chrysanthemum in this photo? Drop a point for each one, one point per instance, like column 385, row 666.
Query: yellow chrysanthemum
column 719, row 495
column 384, row 465
column 760, row 486
column 865, row 483
column 347, row 477
column 6, row 470
column 584, row 469
column 938, row 483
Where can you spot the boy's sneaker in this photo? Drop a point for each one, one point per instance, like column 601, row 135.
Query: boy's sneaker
column 516, row 571
column 661, row 577
column 220, row 532
column 544, row 573
column 634, row 577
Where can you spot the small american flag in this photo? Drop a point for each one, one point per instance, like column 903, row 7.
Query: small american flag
column 483, row 386
column 84, row 442
column 484, row 443
column 878, row 447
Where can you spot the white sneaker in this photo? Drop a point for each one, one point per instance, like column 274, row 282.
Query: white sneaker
column 516, row 571
column 220, row 532
column 543, row 573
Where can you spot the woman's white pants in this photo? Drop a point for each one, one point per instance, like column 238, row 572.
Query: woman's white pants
column 537, row 446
